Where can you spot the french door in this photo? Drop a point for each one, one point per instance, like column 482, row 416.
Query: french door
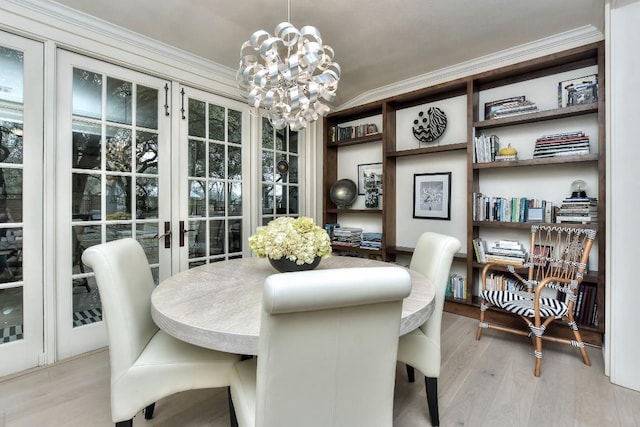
column 214, row 163
column 21, row 213
column 113, row 181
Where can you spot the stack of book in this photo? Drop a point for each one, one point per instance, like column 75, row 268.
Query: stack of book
column 513, row 108
column 347, row 236
column 506, row 252
column 371, row 241
column 578, row 210
column 561, row 144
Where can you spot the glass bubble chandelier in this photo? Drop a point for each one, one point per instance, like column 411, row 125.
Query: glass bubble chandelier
column 290, row 75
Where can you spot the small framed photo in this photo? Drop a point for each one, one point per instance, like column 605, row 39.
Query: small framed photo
column 541, row 254
column 535, row 214
column 432, row 195
column 583, row 90
column 369, row 175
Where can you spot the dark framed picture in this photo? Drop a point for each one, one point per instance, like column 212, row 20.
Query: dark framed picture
column 432, row 195
column 369, row 175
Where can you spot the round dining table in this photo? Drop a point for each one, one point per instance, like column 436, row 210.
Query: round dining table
column 218, row 305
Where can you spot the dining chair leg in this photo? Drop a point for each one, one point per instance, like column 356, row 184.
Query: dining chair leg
column 411, row 373
column 148, row 411
column 431, row 385
column 128, row 423
column 232, row 411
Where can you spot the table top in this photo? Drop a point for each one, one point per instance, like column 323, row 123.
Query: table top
column 218, row 305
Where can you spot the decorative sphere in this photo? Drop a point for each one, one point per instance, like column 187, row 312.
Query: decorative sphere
column 578, row 188
column 343, row 193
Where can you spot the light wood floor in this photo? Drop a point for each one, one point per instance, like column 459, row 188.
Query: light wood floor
column 483, row 383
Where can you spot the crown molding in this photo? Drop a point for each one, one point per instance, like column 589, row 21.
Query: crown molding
column 77, row 31
column 559, row 42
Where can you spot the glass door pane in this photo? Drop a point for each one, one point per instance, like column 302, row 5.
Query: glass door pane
column 280, row 184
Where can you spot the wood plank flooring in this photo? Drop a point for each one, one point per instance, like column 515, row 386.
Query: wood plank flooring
column 483, row 383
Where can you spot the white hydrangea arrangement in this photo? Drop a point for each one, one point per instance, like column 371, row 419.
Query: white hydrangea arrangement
column 297, row 239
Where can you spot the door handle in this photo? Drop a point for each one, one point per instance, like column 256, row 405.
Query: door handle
column 183, row 231
column 166, row 235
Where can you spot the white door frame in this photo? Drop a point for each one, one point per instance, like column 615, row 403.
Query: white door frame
column 29, row 351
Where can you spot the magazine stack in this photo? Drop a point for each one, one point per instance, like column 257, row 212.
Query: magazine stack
column 561, row 144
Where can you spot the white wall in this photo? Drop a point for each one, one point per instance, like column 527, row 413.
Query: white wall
column 624, row 188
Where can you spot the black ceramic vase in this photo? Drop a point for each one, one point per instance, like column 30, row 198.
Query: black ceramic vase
column 284, row 265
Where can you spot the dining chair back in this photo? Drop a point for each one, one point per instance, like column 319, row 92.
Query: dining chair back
column 420, row 349
column 327, row 350
column 146, row 363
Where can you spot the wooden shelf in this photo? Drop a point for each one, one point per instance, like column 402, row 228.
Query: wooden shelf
column 354, row 211
column 404, row 250
column 527, row 225
column 355, row 141
column 591, row 277
column 428, row 150
column 538, row 162
column 539, row 116
column 358, row 249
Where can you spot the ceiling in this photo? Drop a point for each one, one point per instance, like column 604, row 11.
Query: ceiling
column 376, row 42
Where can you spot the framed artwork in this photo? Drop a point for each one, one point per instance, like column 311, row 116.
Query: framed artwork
column 583, row 90
column 432, row 195
column 369, row 175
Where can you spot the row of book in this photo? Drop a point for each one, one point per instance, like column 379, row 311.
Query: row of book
column 502, row 282
column 561, row 144
column 511, row 209
column 485, row 148
column 585, row 310
column 578, row 210
column 499, row 252
column 456, row 287
column 341, row 133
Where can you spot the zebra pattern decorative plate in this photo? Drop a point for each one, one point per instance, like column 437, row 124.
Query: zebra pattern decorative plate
column 429, row 127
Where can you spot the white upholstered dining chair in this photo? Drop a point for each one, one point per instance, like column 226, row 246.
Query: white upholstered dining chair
column 327, row 350
column 420, row 348
column 146, row 363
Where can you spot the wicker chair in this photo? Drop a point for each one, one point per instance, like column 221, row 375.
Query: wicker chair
column 556, row 264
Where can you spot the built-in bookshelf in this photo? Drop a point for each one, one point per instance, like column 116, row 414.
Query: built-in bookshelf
column 537, row 178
